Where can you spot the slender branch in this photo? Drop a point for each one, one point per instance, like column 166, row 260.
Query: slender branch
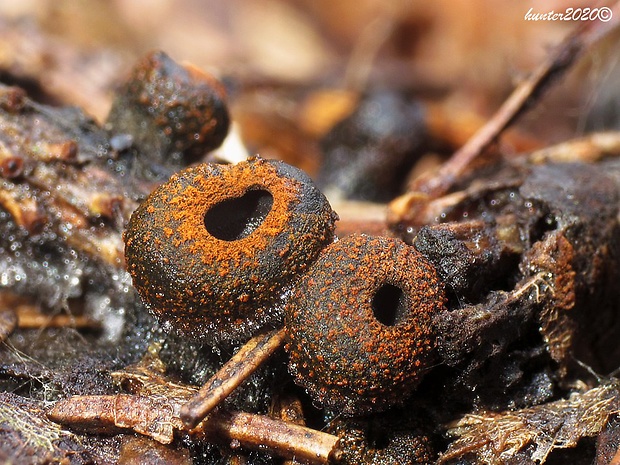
column 521, row 99
column 260, row 432
column 234, row 372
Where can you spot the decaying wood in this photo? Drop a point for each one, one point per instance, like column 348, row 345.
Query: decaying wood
column 65, row 196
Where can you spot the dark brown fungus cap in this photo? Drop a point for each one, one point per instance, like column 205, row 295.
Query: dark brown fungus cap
column 212, row 250
column 360, row 334
column 169, row 108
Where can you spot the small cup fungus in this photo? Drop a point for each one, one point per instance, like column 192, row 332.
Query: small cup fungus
column 212, row 250
column 359, row 324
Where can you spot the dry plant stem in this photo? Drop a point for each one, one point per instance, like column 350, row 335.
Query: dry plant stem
column 154, row 411
column 520, row 100
column 25, row 314
column 285, row 439
column 32, row 320
column 113, row 414
column 231, row 375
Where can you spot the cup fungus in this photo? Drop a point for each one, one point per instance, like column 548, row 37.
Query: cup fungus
column 359, row 324
column 170, row 109
column 212, row 250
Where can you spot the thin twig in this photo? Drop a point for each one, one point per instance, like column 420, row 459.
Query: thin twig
column 234, row 372
column 32, row 319
column 521, row 99
column 260, row 432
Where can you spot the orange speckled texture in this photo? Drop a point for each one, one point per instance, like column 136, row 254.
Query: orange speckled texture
column 338, row 350
column 212, row 289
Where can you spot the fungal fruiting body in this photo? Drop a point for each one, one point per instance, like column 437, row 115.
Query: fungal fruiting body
column 171, row 109
column 360, row 324
column 212, row 250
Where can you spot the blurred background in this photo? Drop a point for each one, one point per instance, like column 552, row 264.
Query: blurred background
column 295, row 70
